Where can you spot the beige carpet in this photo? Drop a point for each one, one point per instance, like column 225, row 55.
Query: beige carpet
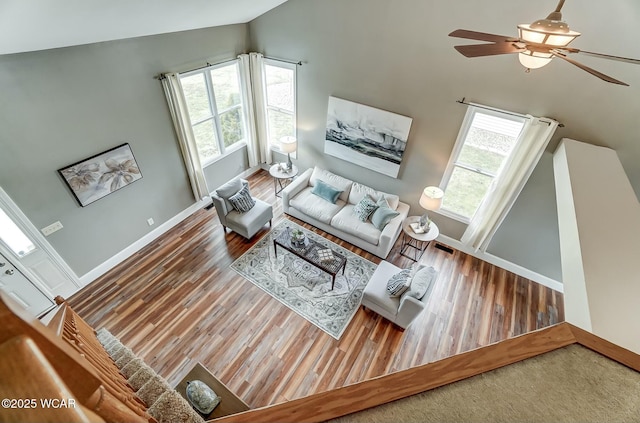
column 573, row 384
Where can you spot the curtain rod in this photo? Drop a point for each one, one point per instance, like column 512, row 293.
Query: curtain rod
column 561, row 125
column 161, row 76
column 299, row 63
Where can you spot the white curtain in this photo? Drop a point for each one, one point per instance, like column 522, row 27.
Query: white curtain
column 186, row 140
column 254, row 93
column 504, row 189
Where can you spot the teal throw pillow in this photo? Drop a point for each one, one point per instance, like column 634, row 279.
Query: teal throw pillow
column 326, row 191
column 383, row 214
column 398, row 283
column 365, row 208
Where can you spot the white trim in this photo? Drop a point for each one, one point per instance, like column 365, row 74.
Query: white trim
column 504, row 264
column 452, row 215
column 109, row 264
column 227, row 152
column 250, row 171
column 274, row 144
column 23, row 222
column 216, row 113
column 461, row 139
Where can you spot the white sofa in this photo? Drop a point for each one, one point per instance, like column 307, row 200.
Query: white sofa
column 338, row 219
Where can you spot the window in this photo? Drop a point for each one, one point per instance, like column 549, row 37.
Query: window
column 13, row 236
column 280, row 98
column 216, row 109
column 485, row 140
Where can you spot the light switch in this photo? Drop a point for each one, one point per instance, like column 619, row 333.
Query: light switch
column 55, row 226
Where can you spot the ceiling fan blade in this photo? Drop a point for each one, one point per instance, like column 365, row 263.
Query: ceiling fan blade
column 601, row 55
column 480, row 36
column 588, row 69
column 478, row 50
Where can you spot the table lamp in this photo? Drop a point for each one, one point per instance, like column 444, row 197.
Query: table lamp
column 431, row 199
column 288, row 145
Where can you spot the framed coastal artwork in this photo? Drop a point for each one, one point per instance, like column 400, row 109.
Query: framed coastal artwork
column 366, row 136
column 98, row 176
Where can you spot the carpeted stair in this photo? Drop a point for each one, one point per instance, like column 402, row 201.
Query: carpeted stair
column 163, row 402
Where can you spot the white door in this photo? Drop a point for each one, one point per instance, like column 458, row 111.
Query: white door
column 24, row 247
column 17, row 286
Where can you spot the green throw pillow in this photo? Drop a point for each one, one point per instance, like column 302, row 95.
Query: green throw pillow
column 383, row 214
column 326, row 191
column 364, row 208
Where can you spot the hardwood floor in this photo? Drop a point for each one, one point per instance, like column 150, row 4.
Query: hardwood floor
column 177, row 302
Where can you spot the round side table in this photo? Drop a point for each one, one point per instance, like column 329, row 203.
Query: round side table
column 281, row 176
column 419, row 242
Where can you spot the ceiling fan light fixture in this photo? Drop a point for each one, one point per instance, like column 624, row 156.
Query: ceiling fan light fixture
column 534, row 60
column 538, row 43
column 548, row 32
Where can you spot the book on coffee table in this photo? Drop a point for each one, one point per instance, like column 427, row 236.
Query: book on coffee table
column 325, row 255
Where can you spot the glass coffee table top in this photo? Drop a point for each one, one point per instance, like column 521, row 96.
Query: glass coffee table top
column 309, row 253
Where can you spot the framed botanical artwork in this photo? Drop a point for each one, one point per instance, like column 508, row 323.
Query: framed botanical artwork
column 366, row 136
column 98, row 176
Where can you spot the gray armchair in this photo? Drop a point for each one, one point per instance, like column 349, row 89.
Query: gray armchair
column 403, row 310
column 246, row 224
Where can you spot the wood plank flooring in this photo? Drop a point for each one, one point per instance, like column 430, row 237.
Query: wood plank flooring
column 177, row 302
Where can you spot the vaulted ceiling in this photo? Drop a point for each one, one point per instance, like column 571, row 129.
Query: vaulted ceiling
column 28, row 25
column 606, row 27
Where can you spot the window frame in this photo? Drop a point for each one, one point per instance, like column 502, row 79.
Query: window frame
column 215, row 113
column 457, row 150
column 274, row 145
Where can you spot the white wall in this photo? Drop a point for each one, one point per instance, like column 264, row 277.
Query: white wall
column 599, row 221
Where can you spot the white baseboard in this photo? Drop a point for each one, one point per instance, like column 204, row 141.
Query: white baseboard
column 251, row 171
column 504, row 264
column 109, row 264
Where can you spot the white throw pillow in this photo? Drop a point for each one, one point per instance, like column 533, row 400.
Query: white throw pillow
column 421, row 283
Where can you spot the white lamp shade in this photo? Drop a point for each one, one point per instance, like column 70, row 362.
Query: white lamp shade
column 431, row 198
column 533, row 60
column 548, row 32
column 288, row 144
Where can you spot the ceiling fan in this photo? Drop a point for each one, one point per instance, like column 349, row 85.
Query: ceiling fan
column 536, row 45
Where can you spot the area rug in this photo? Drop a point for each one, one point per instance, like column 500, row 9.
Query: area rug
column 303, row 287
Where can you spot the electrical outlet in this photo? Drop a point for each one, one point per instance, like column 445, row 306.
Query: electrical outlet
column 55, row 226
column 150, row 221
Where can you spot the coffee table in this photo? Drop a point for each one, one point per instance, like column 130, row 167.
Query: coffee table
column 309, row 253
column 230, row 403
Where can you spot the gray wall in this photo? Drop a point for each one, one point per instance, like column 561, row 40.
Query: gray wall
column 221, row 171
column 389, row 58
column 61, row 106
column 521, row 231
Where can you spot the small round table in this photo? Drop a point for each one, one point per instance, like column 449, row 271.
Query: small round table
column 419, row 242
column 281, row 176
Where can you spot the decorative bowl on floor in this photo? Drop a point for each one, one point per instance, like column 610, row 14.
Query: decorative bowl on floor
column 201, row 396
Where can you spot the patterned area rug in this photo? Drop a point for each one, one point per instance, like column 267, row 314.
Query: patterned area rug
column 303, row 287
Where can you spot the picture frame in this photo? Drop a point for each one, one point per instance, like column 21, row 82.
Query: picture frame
column 363, row 135
column 102, row 174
